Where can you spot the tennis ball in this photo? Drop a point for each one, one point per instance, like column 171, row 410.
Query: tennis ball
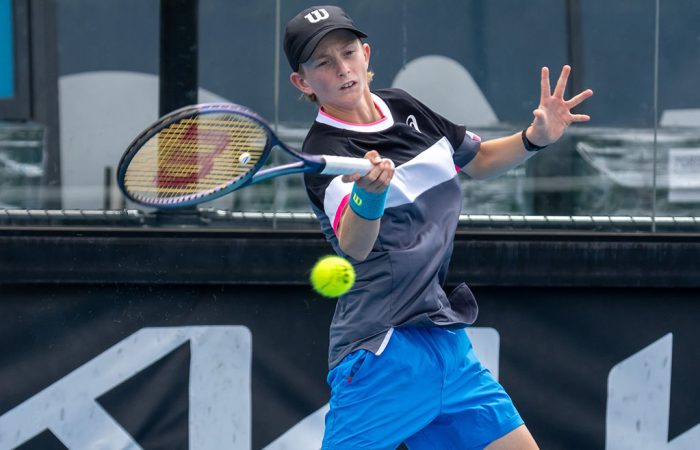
column 332, row 276
column 244, row 158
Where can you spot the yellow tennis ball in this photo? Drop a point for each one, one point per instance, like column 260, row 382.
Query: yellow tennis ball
column 332, row 276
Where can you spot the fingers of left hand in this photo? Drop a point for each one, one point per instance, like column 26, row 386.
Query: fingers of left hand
column 580, row 117
column 561, row 83
column 578, row 99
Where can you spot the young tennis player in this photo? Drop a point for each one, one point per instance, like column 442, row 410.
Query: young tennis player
column 402, row 368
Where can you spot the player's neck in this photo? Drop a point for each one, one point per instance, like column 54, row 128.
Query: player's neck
column 364, row 113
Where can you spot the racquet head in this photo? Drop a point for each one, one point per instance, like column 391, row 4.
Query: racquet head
column 194, row 154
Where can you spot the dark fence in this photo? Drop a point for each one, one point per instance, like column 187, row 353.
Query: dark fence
column 593, row 335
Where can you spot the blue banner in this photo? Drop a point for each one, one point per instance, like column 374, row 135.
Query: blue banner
column 7, row 71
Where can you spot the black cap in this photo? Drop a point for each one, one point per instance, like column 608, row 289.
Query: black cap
column 307, row 28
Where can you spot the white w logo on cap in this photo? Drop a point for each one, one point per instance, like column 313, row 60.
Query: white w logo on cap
column 317, row 15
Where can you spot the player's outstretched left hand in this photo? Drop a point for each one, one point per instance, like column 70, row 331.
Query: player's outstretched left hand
column 553, row 115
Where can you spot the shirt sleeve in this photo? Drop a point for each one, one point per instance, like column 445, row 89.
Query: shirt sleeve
column 467, row 150
column 328, row 194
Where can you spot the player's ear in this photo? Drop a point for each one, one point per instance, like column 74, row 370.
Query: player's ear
column 300, row 83
column 366, row 51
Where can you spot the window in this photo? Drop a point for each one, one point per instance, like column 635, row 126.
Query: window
column 633, row 166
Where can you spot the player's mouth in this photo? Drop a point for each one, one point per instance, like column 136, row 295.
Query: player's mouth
column 347, row 85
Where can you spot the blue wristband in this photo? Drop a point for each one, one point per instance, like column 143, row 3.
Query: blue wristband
column 368, row 205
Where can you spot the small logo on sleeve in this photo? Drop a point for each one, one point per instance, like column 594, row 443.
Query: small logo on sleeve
column 411, row 122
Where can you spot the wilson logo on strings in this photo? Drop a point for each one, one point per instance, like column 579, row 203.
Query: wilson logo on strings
column 181, row 165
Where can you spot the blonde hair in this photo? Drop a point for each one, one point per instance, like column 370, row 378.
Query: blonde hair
column 312, row 97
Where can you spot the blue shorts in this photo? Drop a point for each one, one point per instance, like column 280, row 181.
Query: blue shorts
column 426, row 389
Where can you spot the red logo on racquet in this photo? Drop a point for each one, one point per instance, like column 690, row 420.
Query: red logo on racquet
column 185, row 167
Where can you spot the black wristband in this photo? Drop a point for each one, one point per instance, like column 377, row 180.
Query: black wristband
column 529, row 146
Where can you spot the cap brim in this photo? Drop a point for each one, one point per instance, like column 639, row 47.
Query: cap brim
column 313, row 42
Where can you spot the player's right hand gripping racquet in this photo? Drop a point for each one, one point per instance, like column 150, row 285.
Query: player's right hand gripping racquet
column 201, row 152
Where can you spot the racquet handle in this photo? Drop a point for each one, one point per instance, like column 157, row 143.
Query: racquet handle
column 344, row 165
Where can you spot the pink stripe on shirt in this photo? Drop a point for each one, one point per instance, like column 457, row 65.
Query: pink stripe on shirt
column 339, row 212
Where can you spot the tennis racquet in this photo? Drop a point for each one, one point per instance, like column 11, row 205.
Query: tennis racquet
column 201, row 152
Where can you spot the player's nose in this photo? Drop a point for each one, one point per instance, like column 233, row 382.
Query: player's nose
column 343, row 68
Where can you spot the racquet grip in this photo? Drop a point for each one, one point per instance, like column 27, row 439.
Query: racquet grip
column 344, row 165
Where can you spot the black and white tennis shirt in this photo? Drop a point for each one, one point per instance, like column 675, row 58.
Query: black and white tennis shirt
column 400, row 282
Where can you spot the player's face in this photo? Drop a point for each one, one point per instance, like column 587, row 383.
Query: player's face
column 337, row 72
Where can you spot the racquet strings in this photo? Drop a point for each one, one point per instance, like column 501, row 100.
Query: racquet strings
column 195, row 157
